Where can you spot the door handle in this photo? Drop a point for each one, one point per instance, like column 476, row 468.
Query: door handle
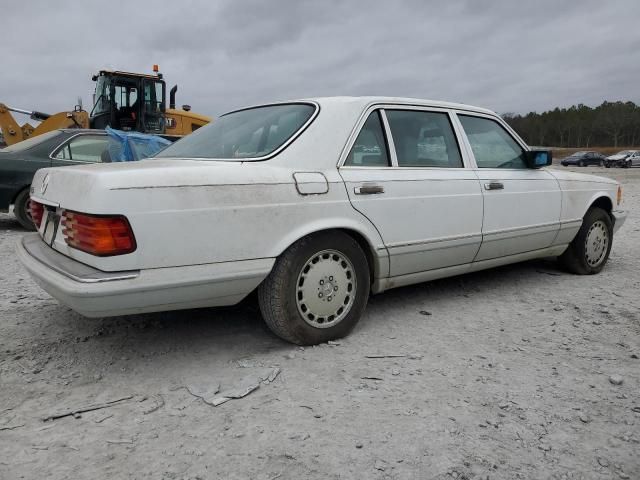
column 369, row 190
column 494, row 186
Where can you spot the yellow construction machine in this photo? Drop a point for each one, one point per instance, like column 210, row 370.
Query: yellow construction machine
column 122, row 100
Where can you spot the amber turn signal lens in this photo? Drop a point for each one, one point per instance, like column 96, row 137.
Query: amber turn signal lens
column 101, row 235
column 619, row 199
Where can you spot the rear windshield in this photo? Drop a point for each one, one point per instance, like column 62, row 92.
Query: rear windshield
column 245, row 134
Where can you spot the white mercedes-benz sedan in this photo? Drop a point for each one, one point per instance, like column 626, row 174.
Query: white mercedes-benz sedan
column 316, row 204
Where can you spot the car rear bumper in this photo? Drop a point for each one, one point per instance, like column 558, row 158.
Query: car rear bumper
column 95, row 293
column 619, row 217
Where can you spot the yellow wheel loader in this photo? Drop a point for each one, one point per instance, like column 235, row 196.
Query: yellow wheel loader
column 122, row 100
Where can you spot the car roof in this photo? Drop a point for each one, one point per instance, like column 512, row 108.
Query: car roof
column 83, row 130
column 361, row 102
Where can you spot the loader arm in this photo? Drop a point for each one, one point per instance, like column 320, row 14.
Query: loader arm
column 11, row 131
column 14, row 133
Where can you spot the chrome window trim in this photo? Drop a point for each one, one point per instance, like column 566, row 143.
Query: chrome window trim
column 394, row 160
column 291, row 139
column 390, row 146
column 508, row 129
column 55, row 151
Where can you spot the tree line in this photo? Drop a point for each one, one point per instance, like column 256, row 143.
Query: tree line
column 610, row 124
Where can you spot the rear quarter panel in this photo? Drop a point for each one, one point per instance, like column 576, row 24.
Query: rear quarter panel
column 204, row 213
column 16, row 173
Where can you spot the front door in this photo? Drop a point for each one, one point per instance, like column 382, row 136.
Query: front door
column 153, row 106
column 521, row 205
column 405, row 173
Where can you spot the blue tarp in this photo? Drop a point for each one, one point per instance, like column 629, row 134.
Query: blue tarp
column 132, row 146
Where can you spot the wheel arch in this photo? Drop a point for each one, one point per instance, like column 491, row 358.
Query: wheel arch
column 18, row 191
column 369, row 241
column 601, row 201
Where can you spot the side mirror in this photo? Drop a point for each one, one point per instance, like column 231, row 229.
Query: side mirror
column 538, row 158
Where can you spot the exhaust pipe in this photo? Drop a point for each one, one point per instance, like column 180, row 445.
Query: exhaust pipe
column 172, row 97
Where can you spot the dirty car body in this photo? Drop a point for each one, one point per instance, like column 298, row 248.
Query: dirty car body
column 316, row 203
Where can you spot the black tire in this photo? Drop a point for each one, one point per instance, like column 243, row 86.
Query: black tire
column 627, row 164
column 575, row 258
column 581, row 163
column 21, row 210
column 280, row 293
column 601, row 163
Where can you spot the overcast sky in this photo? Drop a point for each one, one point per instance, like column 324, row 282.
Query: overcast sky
column 509, row 56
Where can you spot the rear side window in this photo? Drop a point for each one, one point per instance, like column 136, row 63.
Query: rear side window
column 369, row 149
column 492, row 145
column 84, row 148
column 423, row 139
column 245, row 134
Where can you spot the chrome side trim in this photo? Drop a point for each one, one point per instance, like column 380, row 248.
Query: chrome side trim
column 470, row 237
column 35, row 247
column 549, row 226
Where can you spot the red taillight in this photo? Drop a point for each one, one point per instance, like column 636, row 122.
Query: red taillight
column 100, row 235
column 36, row 210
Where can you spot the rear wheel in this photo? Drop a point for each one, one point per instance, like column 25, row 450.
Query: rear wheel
column 601, row 163
column 588, row 252
column 317, row 290
column 21, row 210
column 581, row 163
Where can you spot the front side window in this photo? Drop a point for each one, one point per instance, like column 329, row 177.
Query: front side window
column 492, row 145
column 424, row 139
column 84, row 148
column 369, row 149
column 245, row 134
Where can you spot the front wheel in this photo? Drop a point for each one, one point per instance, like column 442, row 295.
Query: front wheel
column 588, row 252
column 317, row 290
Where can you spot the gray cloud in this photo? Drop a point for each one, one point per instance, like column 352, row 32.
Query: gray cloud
column 504, row 55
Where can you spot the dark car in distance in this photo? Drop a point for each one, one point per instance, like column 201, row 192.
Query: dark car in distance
column 582, row 159
column 58, row 148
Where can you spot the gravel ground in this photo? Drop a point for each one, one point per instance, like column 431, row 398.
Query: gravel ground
column 500, row 374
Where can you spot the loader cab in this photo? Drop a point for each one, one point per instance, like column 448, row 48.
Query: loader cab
column 129, row 102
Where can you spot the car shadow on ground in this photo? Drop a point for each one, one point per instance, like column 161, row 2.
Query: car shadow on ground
column 239, row 331
column 10, row 224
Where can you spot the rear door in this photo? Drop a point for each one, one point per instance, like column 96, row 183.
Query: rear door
column 521, row 205
column 405, row 172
